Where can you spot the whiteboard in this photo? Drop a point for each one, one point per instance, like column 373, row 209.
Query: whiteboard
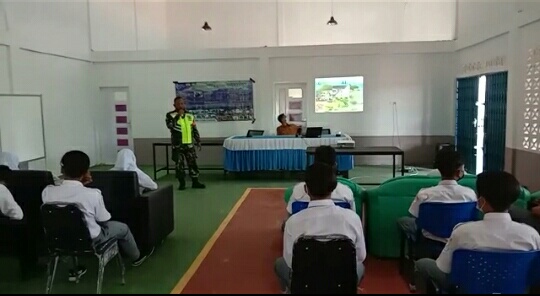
column 21, row 126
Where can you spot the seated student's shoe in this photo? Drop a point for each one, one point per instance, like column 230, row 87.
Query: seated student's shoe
column 142, row 258
column 182, row 185
column 75, row 276
column 196, row 184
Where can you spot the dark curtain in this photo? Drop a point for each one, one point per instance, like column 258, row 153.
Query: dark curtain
column 495, row 122
column 466, row 113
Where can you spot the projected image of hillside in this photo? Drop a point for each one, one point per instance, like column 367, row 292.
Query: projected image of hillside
column 339, row 94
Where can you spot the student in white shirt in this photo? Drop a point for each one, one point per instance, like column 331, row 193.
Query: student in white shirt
column 322, row 217
column 452, row 170
column 8, row 206
column 497, row 191
column 126, row 161
column 75, row 168
column 342, row 193
column 9, row 160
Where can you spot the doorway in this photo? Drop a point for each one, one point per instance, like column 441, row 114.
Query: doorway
column 290, row 99
column 481, row 121
column 113, row 126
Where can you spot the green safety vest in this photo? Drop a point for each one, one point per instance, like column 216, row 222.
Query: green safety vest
column 186, row 125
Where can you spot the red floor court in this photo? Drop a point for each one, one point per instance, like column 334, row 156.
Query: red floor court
column 242, row 258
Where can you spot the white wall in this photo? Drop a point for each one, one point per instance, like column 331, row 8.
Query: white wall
column 501, row 32
column 128, row 25
column 48, row 26
column 148, row 24
column 5, row 78
column 152, row 91
column 365, row 22
column 530, row 39
column 45, row 45
column 234, row 24
column 415, row 76
column 420, row 84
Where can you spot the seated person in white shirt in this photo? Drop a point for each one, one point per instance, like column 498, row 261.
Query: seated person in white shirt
column 448, row 191
column 126, row 161
column 497, row 191
column 9, row 160
column 342, row 193
column 322, row 217
column 8, row 206
column 76, row 174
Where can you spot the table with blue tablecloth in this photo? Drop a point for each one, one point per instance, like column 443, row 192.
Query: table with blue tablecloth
column 277, row 153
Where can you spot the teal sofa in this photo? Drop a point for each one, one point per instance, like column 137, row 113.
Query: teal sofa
column 391, row 200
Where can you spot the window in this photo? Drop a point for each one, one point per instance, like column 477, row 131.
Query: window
column 295, row 93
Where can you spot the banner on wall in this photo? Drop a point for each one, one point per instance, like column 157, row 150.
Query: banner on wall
column 218, row 100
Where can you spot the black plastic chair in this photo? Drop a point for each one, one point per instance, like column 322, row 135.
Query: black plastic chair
column 324, row 265
column 67, row 235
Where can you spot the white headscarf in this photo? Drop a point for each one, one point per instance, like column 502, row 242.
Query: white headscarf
column 126, row 161
column 10, row 160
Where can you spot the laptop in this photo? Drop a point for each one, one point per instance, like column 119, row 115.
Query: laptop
column 313, row 132
column 254, row 133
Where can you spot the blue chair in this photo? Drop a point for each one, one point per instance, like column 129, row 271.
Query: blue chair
column 494, row 272
column 298, row 206
column 440, row 218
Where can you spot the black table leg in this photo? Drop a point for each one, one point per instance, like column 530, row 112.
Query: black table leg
column 154, row 157
column 393, row 165
column 167, row 158
column 403, row 164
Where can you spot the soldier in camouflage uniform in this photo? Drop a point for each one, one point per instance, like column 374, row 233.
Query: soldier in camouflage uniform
column 184, row 138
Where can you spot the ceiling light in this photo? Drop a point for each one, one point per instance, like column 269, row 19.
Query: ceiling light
column 206, row 27
column 332, row 21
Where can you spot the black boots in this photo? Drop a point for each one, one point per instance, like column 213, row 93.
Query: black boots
column 195, row 184
column 182, row 184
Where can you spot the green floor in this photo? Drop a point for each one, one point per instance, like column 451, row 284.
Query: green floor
column 198, row 213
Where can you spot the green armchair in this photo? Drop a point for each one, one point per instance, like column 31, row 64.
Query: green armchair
column 391, row 200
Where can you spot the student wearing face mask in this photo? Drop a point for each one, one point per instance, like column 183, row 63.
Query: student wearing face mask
column 452, row 170
column 497, row 191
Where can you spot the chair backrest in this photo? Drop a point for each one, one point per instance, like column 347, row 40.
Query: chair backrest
column 298, row 206
column 440, row 218
column 65, row 229
column 26, row 188
column 494, row 272
column 326, row 131
column 119, row 189
column 254, row 133
column 324, row 265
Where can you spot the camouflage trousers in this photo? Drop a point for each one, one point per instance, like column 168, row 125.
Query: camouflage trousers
column 185, row 154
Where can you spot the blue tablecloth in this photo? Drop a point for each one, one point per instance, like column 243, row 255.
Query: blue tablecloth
column 275, row 160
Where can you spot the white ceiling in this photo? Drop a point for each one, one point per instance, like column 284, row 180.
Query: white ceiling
column 146, row 24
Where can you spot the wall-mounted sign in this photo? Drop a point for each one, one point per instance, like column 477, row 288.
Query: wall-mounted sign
column 495, row 62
